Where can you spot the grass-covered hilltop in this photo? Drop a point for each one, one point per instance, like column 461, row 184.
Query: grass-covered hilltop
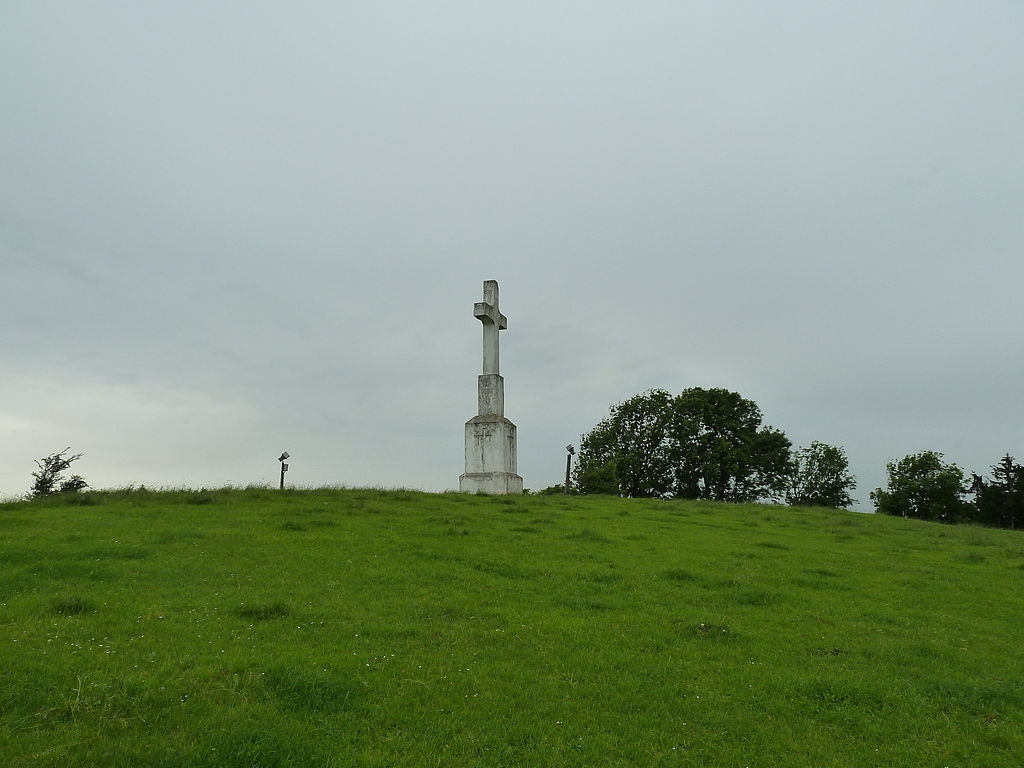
column 368, row 628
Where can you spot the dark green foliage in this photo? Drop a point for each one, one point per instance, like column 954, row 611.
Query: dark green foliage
column 701, row 444
column 722, row 451
column 264, row 611
column 555, row 490
column 50, row 477
column 628, row 453
column 303, row 688
column 921, row 486
column 1000, row 502
column 73, row 606
column 821, row 478
column 202, row 496
column 678, row 575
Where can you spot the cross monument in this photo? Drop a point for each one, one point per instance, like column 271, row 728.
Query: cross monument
column 490, row 437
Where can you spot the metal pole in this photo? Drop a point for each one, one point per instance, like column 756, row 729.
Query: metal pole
column 282, row 475
column 568, row 464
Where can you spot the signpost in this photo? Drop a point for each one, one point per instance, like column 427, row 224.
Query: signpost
column 284, row 467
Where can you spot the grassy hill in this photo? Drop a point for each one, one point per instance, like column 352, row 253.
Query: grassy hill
column 369, row 628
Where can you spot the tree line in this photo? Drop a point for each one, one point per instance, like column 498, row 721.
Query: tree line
column 925, row 487
column 713, row 444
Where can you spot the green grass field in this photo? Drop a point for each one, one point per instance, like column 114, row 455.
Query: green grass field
column 370, row 628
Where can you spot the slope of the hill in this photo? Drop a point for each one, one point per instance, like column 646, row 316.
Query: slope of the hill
column 364, row 627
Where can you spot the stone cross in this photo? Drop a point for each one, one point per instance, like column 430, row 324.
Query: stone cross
column 490, row 437
column 486, row 312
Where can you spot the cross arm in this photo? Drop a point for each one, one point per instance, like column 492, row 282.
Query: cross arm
column 487, row 314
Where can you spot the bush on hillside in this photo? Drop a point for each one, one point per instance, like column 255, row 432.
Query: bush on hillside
column 50, row 477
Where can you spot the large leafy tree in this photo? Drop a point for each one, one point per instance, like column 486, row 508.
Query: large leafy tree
column 721, row 451
column 701, row 444
column 627, row 453
column 1000, row 502
column 922, row 486
column 821, row 477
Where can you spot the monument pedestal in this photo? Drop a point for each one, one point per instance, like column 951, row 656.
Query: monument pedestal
column 490, row 456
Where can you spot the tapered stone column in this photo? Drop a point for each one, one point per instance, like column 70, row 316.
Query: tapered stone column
column 490, row 437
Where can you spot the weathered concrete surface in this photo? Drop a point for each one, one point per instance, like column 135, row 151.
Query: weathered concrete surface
column 490, row 395
column 487, row 312
column 490, row 457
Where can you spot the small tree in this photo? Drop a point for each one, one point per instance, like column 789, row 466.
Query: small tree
column 50, row 477
column 922, row 486
column 821, row 478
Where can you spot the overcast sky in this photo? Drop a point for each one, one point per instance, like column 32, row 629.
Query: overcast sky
column 231, row 229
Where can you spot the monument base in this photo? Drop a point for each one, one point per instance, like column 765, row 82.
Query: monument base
column 490, row 456
column 490, row 482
